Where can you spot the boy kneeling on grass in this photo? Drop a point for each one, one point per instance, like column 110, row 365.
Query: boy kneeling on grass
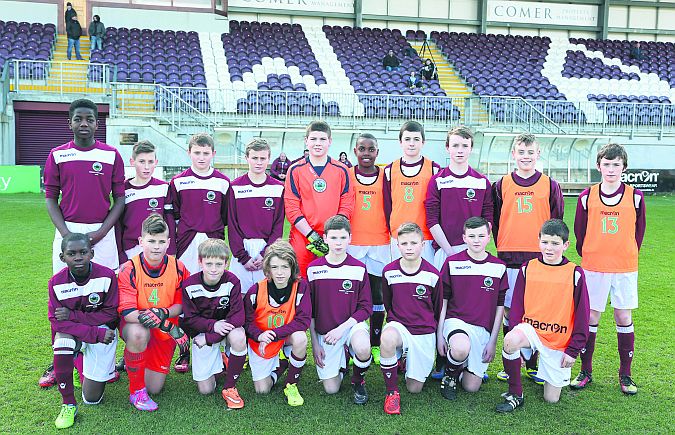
column 549, row 314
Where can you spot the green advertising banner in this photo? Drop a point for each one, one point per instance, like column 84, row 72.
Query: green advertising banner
column 19, row 179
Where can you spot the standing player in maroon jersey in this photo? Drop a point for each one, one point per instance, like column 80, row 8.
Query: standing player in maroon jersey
column 199, row 199
column 412, row 294
column 84, row 173
column 474, row 285
column 341, row 303
column 255, row 215
column 83, row 301
column 144, row 194
column 213, row 315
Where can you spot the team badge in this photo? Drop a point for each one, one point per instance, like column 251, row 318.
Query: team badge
column 94, row 298
column 224, row 301
column 470, row 193
column 420, row 290
column 97, row 167
column 153, row 203
column 319, row 185
column 487, row 283
column 210, row 195
column 269, row 202
column 347, row 285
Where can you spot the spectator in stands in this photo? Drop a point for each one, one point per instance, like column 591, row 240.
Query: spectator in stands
column 344, row 160
column 74, row 31
column 390, row 61
column 70, row 11
column 280, row 167
column 636, row 52
column 96, row 33
column 428, row 71
column 412, row 81
column 409, row 52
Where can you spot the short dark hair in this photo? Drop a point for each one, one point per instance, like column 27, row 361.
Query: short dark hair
column 142, row 147
column 320, row 126
column 555, row 227
column 413, row 127
column 611, row 151
column 366, row 136
column 461, row 131
column 75, row 237
column 476, row 222
column 154, row 224
column 202, row 140
column 82, row 103
column 337, row 222
column 257, row 144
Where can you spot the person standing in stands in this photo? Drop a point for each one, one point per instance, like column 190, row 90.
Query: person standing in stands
column 96, row 33
column 70, row 11
column 74, row 31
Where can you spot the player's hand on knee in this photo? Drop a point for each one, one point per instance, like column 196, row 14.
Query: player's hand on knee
column 489, row 352
column 319, row 355
column 441, row 345
column 181, row 338
column 267, row 337
column 153, row 317
column 62, row 313
column 333, row 336
column 567, row 361
column 109, row 336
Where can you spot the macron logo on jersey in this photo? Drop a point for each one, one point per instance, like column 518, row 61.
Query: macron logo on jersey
column 546, row 327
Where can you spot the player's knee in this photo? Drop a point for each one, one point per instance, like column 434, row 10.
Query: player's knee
column 206, row 388
column 512, row 342
column 362, row 351
column 471, row 387
column 460, row 352
column 414, row 387
column 154, row 389
column 298, row 341
column 331, row 387
column 623, row 317
column 262, row 387
column 594, row 317
column 552, row 398
column 388, row 340
column 237, row 339
column 92, row 398
column 138, row 337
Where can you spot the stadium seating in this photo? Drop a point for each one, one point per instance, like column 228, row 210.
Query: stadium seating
column 30, row 41
column 360, row 51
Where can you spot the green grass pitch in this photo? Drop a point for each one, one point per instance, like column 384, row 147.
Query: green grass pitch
column 25, row 242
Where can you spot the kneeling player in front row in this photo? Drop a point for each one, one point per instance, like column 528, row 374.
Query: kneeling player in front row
column 549, row 314
column 341, row 303
column 150, row 303
column 474, row 287
column 83, row 300
column 213, row 313
column 278, row 313
column 412, row 296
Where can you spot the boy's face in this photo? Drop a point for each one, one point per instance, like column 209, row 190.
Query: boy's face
column 366, row 152
column 154, row 246
column 476, row 239
column 83, row 124
column 280, row 271
column 526, row 156
column 410, row 245
column 552, row 248
column 77, row 256
column 317, row 143
column 411, row 143
column 337, row 241
column 611, row 170
column 213, row 268
column 145, row 164
column 459, row 148
column 201, row 156
column 258, row 161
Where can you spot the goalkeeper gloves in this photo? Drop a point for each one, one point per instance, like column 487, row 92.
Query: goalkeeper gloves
column 181, row 338
column 154, row 318
column 317, row 245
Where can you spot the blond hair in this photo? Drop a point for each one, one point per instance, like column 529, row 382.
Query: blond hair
column 282, row 250
column 213, row 248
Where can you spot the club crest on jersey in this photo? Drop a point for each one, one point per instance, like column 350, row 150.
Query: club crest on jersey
column 347, row 285
column 269, row 202
column 487, row 283
column 320, row 185
column 224, row 301
column 94, row 298
column 210, row 195
column 153, row 203
column 470, row 195
column 97, row 168
column 420, row 291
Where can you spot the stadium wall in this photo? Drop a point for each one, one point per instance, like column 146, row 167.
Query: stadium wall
column 37, row 12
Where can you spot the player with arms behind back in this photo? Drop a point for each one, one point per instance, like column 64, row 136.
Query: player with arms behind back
column 523, row 200
column 341, row 303
column 370, row 235
column 278, row 313
column 549, row 314
column 83, row 301
column 213, row 315
column 474, row 286
column 411, row 289
column 610, row 226
column 150, row 302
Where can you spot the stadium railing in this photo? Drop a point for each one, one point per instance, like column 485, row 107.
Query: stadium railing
column 61, row 77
